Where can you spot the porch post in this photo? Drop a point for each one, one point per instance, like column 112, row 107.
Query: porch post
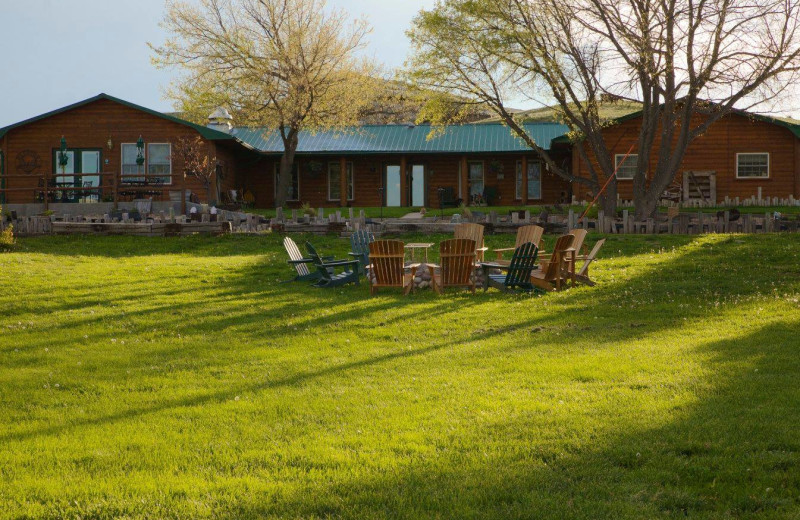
column 403, row 182
column 464, row 180
column 343, row 181
column 116, row 177
column 524, row 194
column 46, row 189
column 182, row 186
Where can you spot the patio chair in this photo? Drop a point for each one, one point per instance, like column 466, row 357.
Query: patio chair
column 387, row 264
column 583, row 273
column 517, row 272
column 472, row 232
column 457, row 265
column 552, row 274
column 577, row 244
column 326, row 270
column 299, row 262
column 359, row 245
column 447, row 197
column 532, row 233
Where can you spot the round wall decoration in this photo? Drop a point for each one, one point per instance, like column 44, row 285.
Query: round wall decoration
column 28, row 161
column 314, row 168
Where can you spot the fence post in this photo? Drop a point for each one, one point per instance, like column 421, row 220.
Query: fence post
column 115, row 188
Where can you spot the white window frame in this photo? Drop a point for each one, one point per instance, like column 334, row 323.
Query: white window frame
column 518, row 180
column 351, row 192
column 147, row 160
column 276, row 171
column 122, row 164
column 617, row 157
column 749, row 177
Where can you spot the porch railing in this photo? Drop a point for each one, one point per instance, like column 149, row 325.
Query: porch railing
column 117, row 185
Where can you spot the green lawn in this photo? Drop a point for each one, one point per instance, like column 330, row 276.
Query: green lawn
column 176, row 378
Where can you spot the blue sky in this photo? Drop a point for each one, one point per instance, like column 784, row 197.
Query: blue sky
column 56, row 52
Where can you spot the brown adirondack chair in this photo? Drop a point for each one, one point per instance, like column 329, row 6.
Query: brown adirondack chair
column 457, row 265
column 577, row 245
column 532, row 234
column 387, row 259
column 583, row 273
column 472, row 232
column 552, row 274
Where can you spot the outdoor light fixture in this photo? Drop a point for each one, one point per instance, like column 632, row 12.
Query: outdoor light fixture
column 63, row 159
column 109, row 143
column 140, row 153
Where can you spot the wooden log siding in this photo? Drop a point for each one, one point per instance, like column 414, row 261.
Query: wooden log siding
column 716, row 151
column 441, row 170
column 91, row 126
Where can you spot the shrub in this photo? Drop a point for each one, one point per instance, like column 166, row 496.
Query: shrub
column 308, row 210
column 6, row 236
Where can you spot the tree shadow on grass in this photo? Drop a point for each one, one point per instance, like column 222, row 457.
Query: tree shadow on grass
column 350, row 307
column 733, row 453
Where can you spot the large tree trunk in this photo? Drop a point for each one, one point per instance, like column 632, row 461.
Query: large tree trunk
column 285, row 172
column 608, row 200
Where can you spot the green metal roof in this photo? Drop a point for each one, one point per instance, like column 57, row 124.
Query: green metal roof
column 469, row 138
column 204, row 131
column 793, row 125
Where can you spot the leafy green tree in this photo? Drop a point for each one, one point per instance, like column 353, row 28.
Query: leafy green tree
column 284, row 65
column 688, row 62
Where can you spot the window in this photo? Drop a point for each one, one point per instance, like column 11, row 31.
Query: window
column 294, row 186
column 130, row 170
column 752, row 165
column 334, row 181
column 159, row 162
column 626, row 166
column 534, row 181
column 475, row 173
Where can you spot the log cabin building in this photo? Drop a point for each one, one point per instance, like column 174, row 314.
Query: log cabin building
column 116, row 149
column 740, row 156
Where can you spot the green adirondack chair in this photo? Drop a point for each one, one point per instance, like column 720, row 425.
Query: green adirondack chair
column 359, row 243
column 517, row 273
column 326, row 269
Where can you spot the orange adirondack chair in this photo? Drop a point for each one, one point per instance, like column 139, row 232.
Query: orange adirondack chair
column 578, row 245
column 457, row 260
column 583, row 273
column 387, row 259
column 551, row 274
column 532, row 234
column 472, row 232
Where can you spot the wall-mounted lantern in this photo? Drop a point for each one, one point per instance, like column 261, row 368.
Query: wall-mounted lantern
column 63, row 158
column 140, row 152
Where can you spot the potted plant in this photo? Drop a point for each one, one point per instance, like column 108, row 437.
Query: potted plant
column 308, row 212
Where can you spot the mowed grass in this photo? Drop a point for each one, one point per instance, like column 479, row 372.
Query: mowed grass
column 176, row 378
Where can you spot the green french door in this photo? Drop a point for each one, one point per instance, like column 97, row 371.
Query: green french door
column 77, row 173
